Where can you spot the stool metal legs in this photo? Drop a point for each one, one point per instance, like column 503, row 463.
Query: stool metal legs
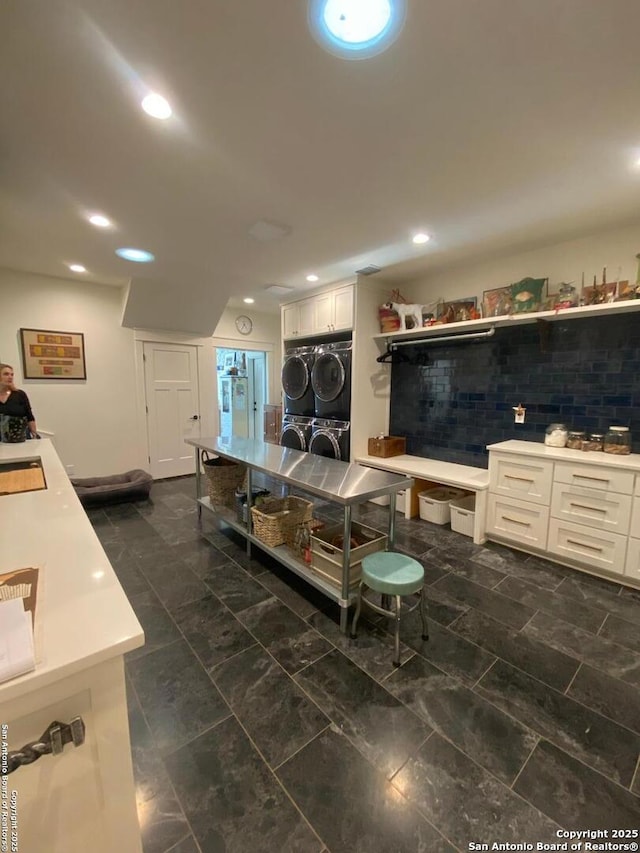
column 385, row 610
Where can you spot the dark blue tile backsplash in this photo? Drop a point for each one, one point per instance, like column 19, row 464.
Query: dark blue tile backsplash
column 451, row 400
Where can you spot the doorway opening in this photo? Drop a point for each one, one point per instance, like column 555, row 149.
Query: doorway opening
column 242, row 392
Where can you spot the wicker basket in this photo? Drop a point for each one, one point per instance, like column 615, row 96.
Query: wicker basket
column 223, row 478
column 275, row 522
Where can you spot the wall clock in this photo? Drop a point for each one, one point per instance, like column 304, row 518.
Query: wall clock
column 244, row 324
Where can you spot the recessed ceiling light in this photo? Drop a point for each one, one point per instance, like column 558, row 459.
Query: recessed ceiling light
column 312, row 278
column 248, row 300
column 99, row 220
column 421, row 238
column 157, row 106
column 138, row 256
column 77, row 268
column 356, row 29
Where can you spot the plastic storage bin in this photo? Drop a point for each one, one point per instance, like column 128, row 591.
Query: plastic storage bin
column 326, row 557
column 434, row 503
column 463, row 515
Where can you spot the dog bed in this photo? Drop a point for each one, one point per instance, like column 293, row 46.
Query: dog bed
column 98, row 491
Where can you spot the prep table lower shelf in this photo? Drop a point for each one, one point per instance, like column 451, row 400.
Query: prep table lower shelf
column 281, row 553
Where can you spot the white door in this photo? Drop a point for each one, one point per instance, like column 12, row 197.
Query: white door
column 256, row 372
column 173, row 409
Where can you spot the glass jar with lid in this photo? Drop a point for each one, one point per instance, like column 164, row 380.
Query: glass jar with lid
column 575, row 439
column 618, row 440
column 556, row 435
column 595, row 441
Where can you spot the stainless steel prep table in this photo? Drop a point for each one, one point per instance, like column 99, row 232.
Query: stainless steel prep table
column 339, row 482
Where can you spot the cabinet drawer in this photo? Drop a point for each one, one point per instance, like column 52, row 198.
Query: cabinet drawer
column 592, row 507
column 520, row 521
column 596, row 548
column 595, row 477
column 634, row 527
column 637, row 491
column 528, row 480
column 632, row 567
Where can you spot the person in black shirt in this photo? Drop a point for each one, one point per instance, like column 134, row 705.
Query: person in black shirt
column 14, row 402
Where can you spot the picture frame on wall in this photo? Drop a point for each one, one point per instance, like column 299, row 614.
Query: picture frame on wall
column 49, row 354
column 458, row 310
column 497, row 301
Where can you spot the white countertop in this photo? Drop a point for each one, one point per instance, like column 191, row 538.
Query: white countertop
column 83, row 616
column 448, row 473
column 562, row 454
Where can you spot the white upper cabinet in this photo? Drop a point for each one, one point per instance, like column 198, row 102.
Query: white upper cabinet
column 327, row 312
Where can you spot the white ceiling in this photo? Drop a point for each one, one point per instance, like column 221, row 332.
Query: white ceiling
column 490, row 124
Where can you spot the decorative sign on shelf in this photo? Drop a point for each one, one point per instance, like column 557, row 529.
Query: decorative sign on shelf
column 52, row 355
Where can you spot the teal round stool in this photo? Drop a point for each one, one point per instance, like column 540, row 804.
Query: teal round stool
column 392, row 575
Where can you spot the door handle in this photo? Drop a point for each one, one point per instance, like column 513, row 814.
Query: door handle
column 51, row 742
column 194, row 418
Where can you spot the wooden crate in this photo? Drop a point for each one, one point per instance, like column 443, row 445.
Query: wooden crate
column 388, row 445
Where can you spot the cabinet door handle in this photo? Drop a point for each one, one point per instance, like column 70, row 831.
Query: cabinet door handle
column 513, row 477
column 582, row 545
column 587, row 477
column 51, row 742
column 586, row 506
column 516, row 521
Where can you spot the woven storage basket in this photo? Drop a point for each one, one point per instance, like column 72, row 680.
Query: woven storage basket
column 223, row 478
column 274, row 523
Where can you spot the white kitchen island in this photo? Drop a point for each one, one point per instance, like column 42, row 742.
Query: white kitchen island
column 84, row 798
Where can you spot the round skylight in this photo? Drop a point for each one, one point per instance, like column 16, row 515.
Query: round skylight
column 138, row 256
column 356, row 29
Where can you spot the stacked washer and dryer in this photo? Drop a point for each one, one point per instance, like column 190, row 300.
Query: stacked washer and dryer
column 316, row 381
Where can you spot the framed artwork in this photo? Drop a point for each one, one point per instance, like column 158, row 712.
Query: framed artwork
column 458, row 310
column 526, row 295
column 229, row 360
column 599, row 293
column 52, row 355
column 226, row 395
column 626, row 290
column 496, row 302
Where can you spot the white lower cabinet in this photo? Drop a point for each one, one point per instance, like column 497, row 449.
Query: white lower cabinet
column 582, row 510
column 594, row 548
column 518, row 520
column 632, row 566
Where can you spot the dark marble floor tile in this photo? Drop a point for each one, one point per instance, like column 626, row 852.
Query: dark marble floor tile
column 486, row 600
column 552, row 603
column 176, row 695
column 375, row 722
column 441, row 606
column 212, row 632
column 410, row 544
column 536, row 571
column 255, row 565
column 447, row 650
column 119, row 511
column 178, row 532
column 593, row 739
column 235, row 587
column 602, row 594
column 232, row 801
column 299, row 596
column 464, row 802
column 161, row 819
column 177, row 585
column 621, row 632
column 273, row 710
column 487, row 735
column 574, row 795
column 352, row 806
column 527, row 653
column 159, row 628
column 292, row 642
column 130, row 529
column 157, row 557
column 608, row 696
column 201, row 556
column 372, row 650
column 187, row 845
column 611, row 658
column 629, row 592
column 464, row 566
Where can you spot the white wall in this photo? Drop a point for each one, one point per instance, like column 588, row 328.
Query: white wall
column 94, row 421
column 99, row 424
column 613, row 249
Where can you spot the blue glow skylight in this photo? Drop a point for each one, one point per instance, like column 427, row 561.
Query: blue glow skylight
column 356, row 29
column 138, row 256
